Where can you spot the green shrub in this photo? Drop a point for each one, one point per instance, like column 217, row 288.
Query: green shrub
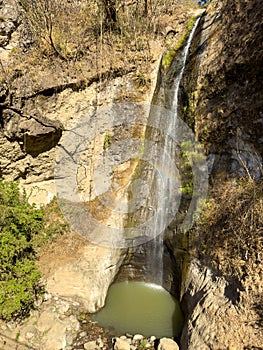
column 170, row 54
column 19, row 275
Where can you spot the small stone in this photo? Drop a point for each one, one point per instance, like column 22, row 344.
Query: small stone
column 121, row 344
column 91, row 345
column 47, row 296
column 63, row 307
column 38, row 302
column 3, row 327
column 100, row 343
column 20, row 347
column 138, row 337
column 11, row 325
column 167, row 344
column 83, row 334
column 152, row 338
column 34, row 314
column 128, row 340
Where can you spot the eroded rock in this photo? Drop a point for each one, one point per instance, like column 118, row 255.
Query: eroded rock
column 10, row 19
column 213, row 316
column 52, row 327
column 35, row 134
column 85, row 278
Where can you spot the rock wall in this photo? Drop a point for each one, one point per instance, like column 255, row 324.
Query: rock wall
column 84, row 273
column 207, row 308
column 34, row 122
column 221, row 94
column 222, row 88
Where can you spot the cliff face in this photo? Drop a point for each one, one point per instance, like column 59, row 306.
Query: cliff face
column 43, row 98
column 222, row 101
column 222, row 88
column 221, row 96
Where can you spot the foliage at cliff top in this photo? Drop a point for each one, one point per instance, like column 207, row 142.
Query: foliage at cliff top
column 22, row 228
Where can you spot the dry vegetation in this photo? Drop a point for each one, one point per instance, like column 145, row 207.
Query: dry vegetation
column 67, row 41
column 231, row 232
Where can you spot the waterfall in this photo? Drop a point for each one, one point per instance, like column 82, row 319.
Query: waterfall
column 179, row 76
column 146, row 262
column 159, row 174
column 154, row 264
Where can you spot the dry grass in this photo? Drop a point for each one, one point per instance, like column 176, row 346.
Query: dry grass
column 231, row 227
column 231, row 234
column 72, row 41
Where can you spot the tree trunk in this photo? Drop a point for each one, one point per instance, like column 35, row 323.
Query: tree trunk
column 110, row 10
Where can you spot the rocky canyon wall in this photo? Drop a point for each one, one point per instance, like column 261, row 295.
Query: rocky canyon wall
column 221, row 94
column 222, row 88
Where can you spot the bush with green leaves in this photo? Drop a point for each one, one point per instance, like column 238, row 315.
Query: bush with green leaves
column 20, row 222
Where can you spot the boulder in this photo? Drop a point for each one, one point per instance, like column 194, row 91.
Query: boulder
column 35, row 134
column 121, row 344
column 167, row 344
column 137, row 337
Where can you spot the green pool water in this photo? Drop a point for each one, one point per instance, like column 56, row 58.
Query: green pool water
column 139, row 307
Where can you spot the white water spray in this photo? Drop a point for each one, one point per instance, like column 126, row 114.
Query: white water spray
column 169, row 191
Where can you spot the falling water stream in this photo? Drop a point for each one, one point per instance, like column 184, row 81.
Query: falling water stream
column 142, row 307
column 170, row 190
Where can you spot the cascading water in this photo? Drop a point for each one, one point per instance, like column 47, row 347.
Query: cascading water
column 165, row 189
column 179, row 76
column 169, row 191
